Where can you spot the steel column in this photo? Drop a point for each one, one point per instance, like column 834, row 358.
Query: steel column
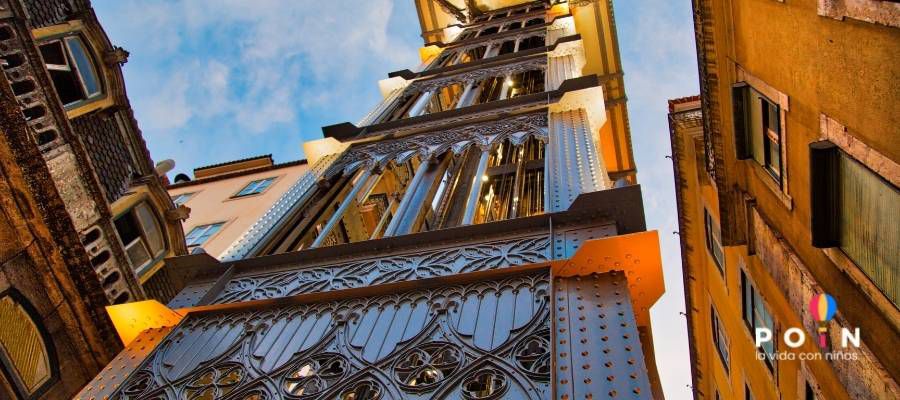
column 421, row 103
column 475, row 190
column 407, row 199
column 349, row 198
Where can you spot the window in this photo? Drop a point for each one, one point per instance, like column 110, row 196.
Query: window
column 534, row 21
column 140, row 232
column 71, row 68
column 532, row 42
column 720, row 340
column 202, row 233
column 507, row 47
column 850, row 209
column 182, row 198
column 513, row 182
column 489, row 31
column 445, row 98
column 757, row 125
column 525, row 83
column 255, row 187
column 473, row 54
column 513, row 26
column 756, row 315
column 714, row 240
column 24, row 354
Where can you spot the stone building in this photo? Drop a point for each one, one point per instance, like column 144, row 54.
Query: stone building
column 87, row 221
column 787, row 181
column 478, row 235
column 226, row 199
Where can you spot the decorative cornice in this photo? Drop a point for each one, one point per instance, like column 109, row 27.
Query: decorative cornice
column 476, row 75
column 431, row 144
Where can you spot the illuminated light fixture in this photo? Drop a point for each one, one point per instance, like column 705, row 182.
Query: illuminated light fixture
column 510, row 82
column 484, row 178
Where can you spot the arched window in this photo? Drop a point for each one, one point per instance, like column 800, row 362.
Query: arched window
column 73, row 70
column 24, row 351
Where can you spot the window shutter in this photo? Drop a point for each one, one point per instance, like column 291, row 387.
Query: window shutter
column 824, row 194
column 740, row 106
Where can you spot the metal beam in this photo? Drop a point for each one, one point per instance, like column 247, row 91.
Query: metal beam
column 475, row 190
column 361, row 181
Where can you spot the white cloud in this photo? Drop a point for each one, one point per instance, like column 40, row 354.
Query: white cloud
column 252, row 65
column 168, row 109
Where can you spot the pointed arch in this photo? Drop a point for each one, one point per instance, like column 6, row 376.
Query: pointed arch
column 27, row 354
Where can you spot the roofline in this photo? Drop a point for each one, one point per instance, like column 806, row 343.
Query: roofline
column 236, row 174
column 232, row 162
column 682, row 100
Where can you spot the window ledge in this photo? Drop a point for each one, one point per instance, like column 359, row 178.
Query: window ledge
column 876, row 12
column 766, row 178
column 864, row 283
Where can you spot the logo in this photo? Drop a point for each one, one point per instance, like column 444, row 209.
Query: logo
column 822, row 306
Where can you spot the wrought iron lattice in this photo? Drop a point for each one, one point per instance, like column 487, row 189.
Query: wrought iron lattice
column 404, row 267
column 483, row 340
column 517, row 129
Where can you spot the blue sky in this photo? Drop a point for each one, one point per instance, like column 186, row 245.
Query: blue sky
column 217, row 80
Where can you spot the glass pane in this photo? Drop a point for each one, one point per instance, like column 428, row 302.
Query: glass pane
column 84, row 65
column 263, row 184
column 137, row 253
column 201, row 234
column 152, row 231
column 192, row 237
column 182, row 198
column 756, row 104
column 747, row 301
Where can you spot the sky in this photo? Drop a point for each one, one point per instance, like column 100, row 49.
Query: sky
column 217, row 80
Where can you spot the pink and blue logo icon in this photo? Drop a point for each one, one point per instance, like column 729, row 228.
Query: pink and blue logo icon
column 822, row 306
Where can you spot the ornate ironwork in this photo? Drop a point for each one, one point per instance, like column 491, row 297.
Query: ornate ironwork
column 427, row 145
column 214, row 383
column 484, row 385
column 533, row 355
column 362, row 273
column 290, row 200
column 315, row 375
column 425, row 367
column 535, row 63
column 499, row 40
column 434, row 343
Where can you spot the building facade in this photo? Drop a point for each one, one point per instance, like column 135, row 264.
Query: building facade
column 787, row 181
column 479, row 235
column 227, row 199
column 87, row 219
